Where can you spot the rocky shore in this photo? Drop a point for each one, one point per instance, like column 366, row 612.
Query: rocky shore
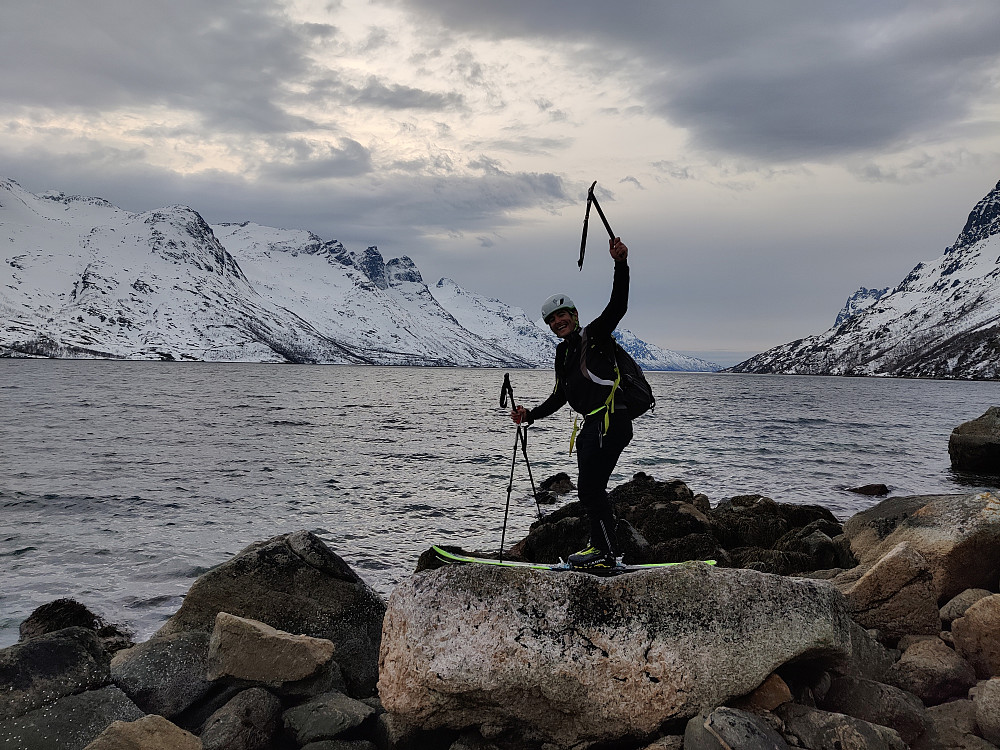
column 879, row 632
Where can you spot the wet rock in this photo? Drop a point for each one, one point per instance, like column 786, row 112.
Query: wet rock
column 577, row 658
column 958, row 535
column 165, row 675
column 554, row 537
column 822, row 730
column 727, row 728
column 897, row 595
column 147, row 733
column 559, row 484
column 50, row 666
column 250, row 650
column 769, row 560
column 932, row 671
column 974, row 446
column 877, row 703
column 958, row 606
column 815, row 540
column 660, row 511
column 71, row 723
column 67, row 613
column 325, row 718
column 871, row 490
column 294, row 583
column 250, row 721
column 690, row 547
column 977, row 636
column 748, row 521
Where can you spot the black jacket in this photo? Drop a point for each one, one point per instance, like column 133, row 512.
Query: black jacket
column 574, row 386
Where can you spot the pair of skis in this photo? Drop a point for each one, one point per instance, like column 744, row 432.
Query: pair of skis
column 453, row 558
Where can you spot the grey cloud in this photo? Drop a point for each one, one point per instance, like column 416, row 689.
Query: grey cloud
column 531, row 145
column 361, row 210
column 774, row 80
column 229, row 59
column 311, row 162
column 377, row 93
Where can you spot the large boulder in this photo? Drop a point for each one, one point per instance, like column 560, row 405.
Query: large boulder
column 50, row 666
column 975, row 446
column 293, row 583
column 958, row 535
column 570, row 658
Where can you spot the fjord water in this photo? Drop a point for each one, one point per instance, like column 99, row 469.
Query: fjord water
column 121, row 482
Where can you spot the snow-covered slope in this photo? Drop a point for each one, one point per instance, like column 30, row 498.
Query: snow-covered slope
column 80, row 277
column 652, row 357
column 497, row 322
column 382, row 312
column 942, row 320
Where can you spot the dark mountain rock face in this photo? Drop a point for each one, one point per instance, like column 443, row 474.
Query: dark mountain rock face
column 983, row 222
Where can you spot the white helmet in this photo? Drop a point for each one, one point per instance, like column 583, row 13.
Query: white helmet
column 555, row 303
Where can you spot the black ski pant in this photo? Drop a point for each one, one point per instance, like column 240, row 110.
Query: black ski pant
column 596, row 456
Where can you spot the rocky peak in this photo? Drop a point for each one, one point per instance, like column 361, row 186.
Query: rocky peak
column 402, row 269
column 179, row 233
column 368, row 261
column 983, row 221
column 860, row 300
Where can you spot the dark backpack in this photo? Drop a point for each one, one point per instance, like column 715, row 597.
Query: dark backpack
column 633, row 389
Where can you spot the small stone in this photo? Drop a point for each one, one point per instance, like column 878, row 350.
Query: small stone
column 148, row 733
column 987, row 704
column 250, row 650
column 325, row 717
column 933, row 672
column 977, row 636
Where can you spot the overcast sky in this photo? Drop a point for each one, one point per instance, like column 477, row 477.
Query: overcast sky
column 761, row 159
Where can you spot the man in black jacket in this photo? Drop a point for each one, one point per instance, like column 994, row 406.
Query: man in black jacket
column 585, row 378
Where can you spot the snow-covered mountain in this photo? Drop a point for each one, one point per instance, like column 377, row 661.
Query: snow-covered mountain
column 83, row 278
column 941, row 321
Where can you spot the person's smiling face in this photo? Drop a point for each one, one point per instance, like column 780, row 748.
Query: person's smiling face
column 563, row 322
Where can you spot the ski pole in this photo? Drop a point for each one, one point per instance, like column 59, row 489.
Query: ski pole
column 592, row 201
column 510, row 485
column 522, row 438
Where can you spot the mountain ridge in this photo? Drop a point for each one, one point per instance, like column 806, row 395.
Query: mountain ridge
column 941, row 321
column 84, row 278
